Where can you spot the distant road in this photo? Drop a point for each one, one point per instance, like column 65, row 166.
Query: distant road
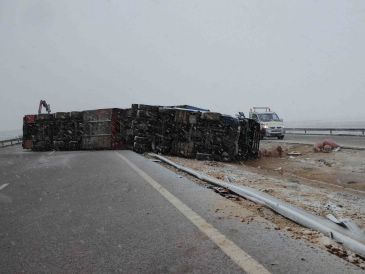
column 344, row 141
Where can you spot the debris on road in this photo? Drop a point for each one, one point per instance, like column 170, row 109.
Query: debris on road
column 294, row 153
column 274, row 152
column 325, row 162
column 226, row 193
column 344, row 168
column 280, row 170
column 327, row 145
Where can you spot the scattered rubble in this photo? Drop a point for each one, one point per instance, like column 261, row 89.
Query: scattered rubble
column 180, row 131
column 294, row 153
column 344, row 168
column 327, row 145
column 274, row 152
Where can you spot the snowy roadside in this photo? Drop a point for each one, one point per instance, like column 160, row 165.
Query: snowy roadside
column 320, row 200
column 317, row 200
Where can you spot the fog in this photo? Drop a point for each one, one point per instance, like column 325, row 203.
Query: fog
column 305, row 59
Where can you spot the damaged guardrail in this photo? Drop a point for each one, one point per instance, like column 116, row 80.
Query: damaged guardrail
column 10, row 142
column 324, row 131
column 350, row 238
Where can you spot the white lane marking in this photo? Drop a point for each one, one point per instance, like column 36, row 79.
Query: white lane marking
column 3, row 186
column 241, row 258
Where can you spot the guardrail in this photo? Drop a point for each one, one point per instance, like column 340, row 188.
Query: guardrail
column 10, row 142
column 330, row 131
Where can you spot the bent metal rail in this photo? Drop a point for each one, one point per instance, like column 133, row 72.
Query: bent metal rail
column 10, row 142
column 325, row 131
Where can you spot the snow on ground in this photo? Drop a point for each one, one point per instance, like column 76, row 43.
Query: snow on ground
column 319, row 197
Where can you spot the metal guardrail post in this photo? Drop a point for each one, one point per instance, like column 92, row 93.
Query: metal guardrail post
column 10, row 142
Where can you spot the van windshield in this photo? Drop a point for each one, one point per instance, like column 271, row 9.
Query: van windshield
column 267, row 117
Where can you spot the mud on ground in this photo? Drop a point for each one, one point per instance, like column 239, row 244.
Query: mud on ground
column 344, row 168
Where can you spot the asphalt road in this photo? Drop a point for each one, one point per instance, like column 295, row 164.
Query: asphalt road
column 345, row 141
column 118, row 212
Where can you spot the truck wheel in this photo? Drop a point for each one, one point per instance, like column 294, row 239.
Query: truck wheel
column 281, row 137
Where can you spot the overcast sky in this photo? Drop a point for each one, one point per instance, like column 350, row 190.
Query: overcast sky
column 305, row 59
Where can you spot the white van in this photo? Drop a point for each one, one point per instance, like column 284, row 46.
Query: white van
column 270, row 123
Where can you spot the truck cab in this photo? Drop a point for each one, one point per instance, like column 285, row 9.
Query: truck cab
column 270, row 123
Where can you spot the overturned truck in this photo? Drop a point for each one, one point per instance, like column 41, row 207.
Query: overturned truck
column 181, row 131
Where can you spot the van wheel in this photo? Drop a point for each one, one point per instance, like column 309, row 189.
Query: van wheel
column 281, row 137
